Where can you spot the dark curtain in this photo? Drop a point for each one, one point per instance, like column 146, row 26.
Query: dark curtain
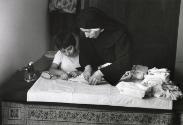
column 62, row 16
column 61, row 22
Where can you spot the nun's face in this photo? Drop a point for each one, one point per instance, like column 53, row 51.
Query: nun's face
column 92, row 33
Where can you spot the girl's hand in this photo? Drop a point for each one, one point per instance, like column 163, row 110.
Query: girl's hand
column 64, row 76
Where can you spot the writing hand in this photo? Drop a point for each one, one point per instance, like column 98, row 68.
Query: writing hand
column 95, row 78
column 87, row 72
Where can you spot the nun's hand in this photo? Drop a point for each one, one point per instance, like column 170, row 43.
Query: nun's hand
column 87, row 72
column 96, row 78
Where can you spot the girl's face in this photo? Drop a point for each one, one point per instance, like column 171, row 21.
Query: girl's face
column 69, row 51
column 92, row 33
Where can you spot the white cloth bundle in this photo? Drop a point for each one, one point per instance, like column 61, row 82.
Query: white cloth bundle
column 171, row 92
column 162, row 73
column 134, row 89
column 151, row 82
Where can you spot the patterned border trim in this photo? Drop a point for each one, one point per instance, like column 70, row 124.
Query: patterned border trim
column 37, row 114
column 106, row 117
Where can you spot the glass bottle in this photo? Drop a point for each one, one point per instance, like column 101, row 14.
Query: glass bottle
column 29, row 74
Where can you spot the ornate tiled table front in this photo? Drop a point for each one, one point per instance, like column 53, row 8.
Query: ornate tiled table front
column 29, row 114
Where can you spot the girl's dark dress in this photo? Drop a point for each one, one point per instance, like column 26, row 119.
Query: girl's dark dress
column 112, row 46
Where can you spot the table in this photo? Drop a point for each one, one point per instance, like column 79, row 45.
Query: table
column 15, row 109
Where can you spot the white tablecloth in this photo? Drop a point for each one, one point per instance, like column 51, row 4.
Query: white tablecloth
column 61, row 91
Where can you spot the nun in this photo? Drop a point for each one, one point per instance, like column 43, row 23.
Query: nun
column 102, row 40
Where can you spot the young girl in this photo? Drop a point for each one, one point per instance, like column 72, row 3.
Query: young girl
column 66, row 60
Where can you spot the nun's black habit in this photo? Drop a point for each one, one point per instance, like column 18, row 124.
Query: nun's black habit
column 112, row 45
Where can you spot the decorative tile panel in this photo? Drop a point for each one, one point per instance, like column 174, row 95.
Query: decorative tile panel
column 28, row 114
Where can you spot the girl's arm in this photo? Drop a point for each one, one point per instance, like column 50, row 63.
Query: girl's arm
column 54, row 70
